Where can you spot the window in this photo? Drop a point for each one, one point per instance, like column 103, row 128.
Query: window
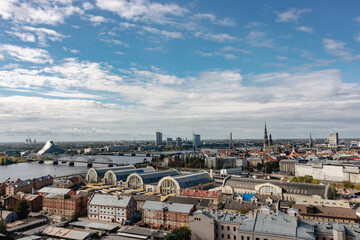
column 257, row 238
column 217, row 235
column 248, row 238
column 242, row 237
column 228, row 236
column 228, row 228
column 234, row 228
column 234, row 237
column 222, row 227
column 222, row 235
column 216, row 226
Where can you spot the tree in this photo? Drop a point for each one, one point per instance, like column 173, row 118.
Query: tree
column 74, row 217
column 315, row 181
column 3, row 228
column 23, row 209
column 348, row 184
column 183, row 233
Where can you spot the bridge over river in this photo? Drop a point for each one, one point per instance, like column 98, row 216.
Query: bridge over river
column 90, row 160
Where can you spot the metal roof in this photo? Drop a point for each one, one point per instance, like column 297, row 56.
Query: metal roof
column 109, row 200
column 94, row 225
column 101, row 171
column 54, row 190
column 171, row 207
column 153, row 177
column 30, row 197
column 192, row 179
column 121, row 175
column 66, row 233
column 288, row 187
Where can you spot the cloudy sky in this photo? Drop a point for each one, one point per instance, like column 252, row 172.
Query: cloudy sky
column 118, row 69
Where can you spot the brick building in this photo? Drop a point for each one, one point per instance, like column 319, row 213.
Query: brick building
column 43, row 181
column 64, row 204
column 111, row 208
column 34, row 201
column 12, row 187
column 53, row 190
column 169, row 215
column 25, row 186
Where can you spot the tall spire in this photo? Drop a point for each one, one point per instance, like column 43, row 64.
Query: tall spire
column 310, row 141
column 265, row 137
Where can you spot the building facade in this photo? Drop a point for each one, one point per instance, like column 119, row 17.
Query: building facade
column 64, row 205
column 334, row 139
column 158, row 139
column 169, row 215
column 111, row 208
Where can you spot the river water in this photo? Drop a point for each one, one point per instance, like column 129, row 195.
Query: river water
column 34, row 169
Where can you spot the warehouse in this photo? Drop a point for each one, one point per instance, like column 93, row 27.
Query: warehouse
column 95, row 175
column 173, row 184
column 118, row 177
column 139, row 180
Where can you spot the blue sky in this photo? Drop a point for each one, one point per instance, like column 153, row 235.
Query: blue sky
column 117, row 69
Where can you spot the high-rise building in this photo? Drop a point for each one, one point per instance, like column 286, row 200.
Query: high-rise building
column 231, row 142
column 169, row 141
column 196, row 140
column 178, row 142
column 334, row 139
column 158, row 139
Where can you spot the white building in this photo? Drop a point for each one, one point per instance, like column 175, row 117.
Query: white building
column 111, row 208
column 325, row 172
column 334, row 139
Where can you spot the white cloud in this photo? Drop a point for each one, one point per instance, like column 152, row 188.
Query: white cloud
column 166, row 34
column 338, row 49
column 156, row 49
column 87, row 6
column 305, row 29
column 114, row 41
column 357, row 19
column 95, row 19
column 25, row 37
column 144, row 10
column 216, row 37
column 232, row 49
column 34, row 55
column 37, row 12
column 259, row 39
column 174, row 104
column 282, row 57
column 74, row 51
column 291, row 15
column 119, row 53
column 228, row 56
column 255, row 25
column 228, row 22
column 357, row 37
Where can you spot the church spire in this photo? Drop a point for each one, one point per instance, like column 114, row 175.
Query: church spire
column 265, row 137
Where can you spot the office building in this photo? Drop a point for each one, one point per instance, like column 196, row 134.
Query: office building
column 158, row 139
column 334, row 139
column 169, row 141
column 196, row 141
column 178, row 142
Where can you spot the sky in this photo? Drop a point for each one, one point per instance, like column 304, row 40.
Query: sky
column 122, row 70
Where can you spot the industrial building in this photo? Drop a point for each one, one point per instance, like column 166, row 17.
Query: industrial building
column 173, row 184
column 95, row 175
column 283, row 190
column 118, row 177
column 142, row 180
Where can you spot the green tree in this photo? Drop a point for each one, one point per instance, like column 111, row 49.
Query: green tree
column 74, row 217
column 23, row 209
column 294, row 179
column 315, row 181
column 244, row 210
column 348, row 184
column 3, row 228
column 183, row 233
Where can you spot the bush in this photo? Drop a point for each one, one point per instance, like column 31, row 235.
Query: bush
column 183, row 233
column 348, row 184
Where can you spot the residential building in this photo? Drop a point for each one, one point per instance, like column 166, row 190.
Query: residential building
column 169, row 215
column 266, row 226
column 25, row 186
column 111, row 208
column 43, row 181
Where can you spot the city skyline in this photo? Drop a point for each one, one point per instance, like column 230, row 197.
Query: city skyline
column 117, row 69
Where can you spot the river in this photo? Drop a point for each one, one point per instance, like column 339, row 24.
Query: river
column 29, row 170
